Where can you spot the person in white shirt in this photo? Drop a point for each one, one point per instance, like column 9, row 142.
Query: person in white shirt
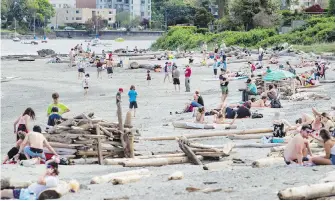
column 81, row 69
column 48, row 180
column 71, row 55
column 85, row 83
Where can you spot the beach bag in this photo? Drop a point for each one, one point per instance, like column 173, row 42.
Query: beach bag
column 275, row 103
column 278, row 130
column 256, row 115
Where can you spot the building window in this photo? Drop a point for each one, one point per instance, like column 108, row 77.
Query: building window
column 77, row 11
column 142, row 14
column 78, row 18
column 126, row 1
column 110, row 6
column 67, row 11
column 59, row 5
column 119, row 0
column 142, row 2
column 109, row 19
column 100, row 7
column 110, row 12
column 67, row 18
column 72, row 18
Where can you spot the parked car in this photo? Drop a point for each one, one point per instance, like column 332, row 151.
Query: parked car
column 122, row 29
column 69, row 28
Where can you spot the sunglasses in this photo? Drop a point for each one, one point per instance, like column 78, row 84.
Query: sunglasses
column 309, row 132
column 49, row 166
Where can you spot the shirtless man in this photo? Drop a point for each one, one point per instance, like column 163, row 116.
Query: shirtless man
column 297, row 149
column 35, row 141
column 260, row 103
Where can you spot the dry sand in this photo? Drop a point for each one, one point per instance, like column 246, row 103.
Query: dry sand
column 37, row 81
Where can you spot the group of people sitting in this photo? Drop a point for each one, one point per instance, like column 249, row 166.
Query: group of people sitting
column 30, row 144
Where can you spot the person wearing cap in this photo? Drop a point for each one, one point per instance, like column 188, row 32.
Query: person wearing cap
column 251, row 89
column 297, row 149
column 188, row 73
column 118, row 96
column 48, row 180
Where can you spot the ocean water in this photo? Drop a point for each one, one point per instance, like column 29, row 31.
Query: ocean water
column 63, row 46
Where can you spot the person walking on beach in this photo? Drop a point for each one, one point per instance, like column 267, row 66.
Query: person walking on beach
column 188, row 73
column 260, row 56
column 148, row 77
column 224, row 85
column 215, row 67
column 176, row 76
column 61, row 107
column 22, row 122
column 81, row 69
column 132, row 94
column 109, row 66
column 71, row 55
column 166, row 71
column 85, row 83
column 99, row 69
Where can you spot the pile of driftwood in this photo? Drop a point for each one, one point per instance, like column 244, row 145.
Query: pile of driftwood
column 86, row 136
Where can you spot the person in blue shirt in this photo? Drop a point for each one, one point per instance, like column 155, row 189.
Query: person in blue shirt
column 54, row 117
column 250, row 90
column 132, row 98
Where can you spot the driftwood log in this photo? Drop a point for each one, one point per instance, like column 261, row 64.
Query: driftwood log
column 265, row 162
column 258, row 145
column 127, row 179
column 109, row 177
column 211, row 134
column 188, row 151
column 308, row 192
column 55, row 193
column 9, row 183
column 156, row 161
column 249, row 137
column 176, row 176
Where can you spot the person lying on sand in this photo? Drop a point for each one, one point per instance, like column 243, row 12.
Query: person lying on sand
column 329, row 145
column 35, row 141
column 298, row 147
column 260, row 103
column 48, row 180
column 238, row 113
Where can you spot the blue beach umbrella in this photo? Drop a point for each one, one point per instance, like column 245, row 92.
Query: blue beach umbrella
column 277, row 75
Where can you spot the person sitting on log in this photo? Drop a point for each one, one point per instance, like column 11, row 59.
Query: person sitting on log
column 48, row 180
column 329, row 146
column 61, row 107
column 13, row 151
column 36, row 142
column 298, row 147
column 251, row 89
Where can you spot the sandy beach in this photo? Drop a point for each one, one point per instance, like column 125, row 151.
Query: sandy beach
column 36, row 81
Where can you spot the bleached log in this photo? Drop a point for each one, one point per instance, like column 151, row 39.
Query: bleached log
column 211, row 134
column 59, row 139
column 109, row 177
column 84, row 161
column 8, row 182
column 308, row 192
column 55, row 193
column 127, row 122
column 118, row 161
column 95, row 153
column 156, row 161
column 225, row 148
column 223, row 165
column 62, row 145
column 105, row 131
column 258, row 145
column 249, row 137
column 178, row 175
column 330, row 177
column 127, row 179
column 265, row 162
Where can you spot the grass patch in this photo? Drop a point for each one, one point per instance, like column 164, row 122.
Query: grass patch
column 6, row 31
column 316, row 48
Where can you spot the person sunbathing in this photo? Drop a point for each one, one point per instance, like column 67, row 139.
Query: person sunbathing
column 298, row 147
column 200, row 116
column 329, row 146
column 260, row 103
column 48, row 180
column 238, row 113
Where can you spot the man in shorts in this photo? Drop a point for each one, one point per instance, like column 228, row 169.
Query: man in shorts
column 33, row 145
column 298, row 147
column 176, row 76
column 132, row 94
column 224, row 85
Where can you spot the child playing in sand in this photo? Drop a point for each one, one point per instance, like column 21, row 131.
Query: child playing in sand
column 85, row 83
column 148, row 77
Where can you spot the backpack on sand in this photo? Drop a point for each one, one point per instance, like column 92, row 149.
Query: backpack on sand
column 275, row 103
column 278, row 130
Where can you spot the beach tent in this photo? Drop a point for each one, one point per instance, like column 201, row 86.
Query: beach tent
column 278, row 75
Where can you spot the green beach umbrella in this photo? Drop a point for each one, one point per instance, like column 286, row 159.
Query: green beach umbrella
column 277, row 75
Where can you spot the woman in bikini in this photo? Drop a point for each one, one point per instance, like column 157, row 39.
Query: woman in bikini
column 21, row 124
column 329, row 145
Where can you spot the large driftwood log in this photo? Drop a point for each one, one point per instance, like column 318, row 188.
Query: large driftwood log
column 106, row 132
column 109, row 177
column 55, row 193
column 225, row 148
column 119, row 116
column 221, row 133
column 7, row 183
column 60, row 139
column 308, row 192
column 265, row 162
column 156, row 161
column 127, row 122
column 118, row 161
column 62, row 145
column 176, row 176
column 127, row 179
column 84, row 161
column 95, row 153
column 188, row 151
column 258, row 145
column 249, row 137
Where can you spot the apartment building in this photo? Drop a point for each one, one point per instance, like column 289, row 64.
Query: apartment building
column 63, row 3
column 136, row 8
column 64, row 16
column 86, row 4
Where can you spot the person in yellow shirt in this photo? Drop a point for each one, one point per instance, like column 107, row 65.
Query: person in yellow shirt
column 61, row 107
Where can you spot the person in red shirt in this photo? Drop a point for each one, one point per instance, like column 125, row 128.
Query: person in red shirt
column 188, row 73
column 110, row 56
